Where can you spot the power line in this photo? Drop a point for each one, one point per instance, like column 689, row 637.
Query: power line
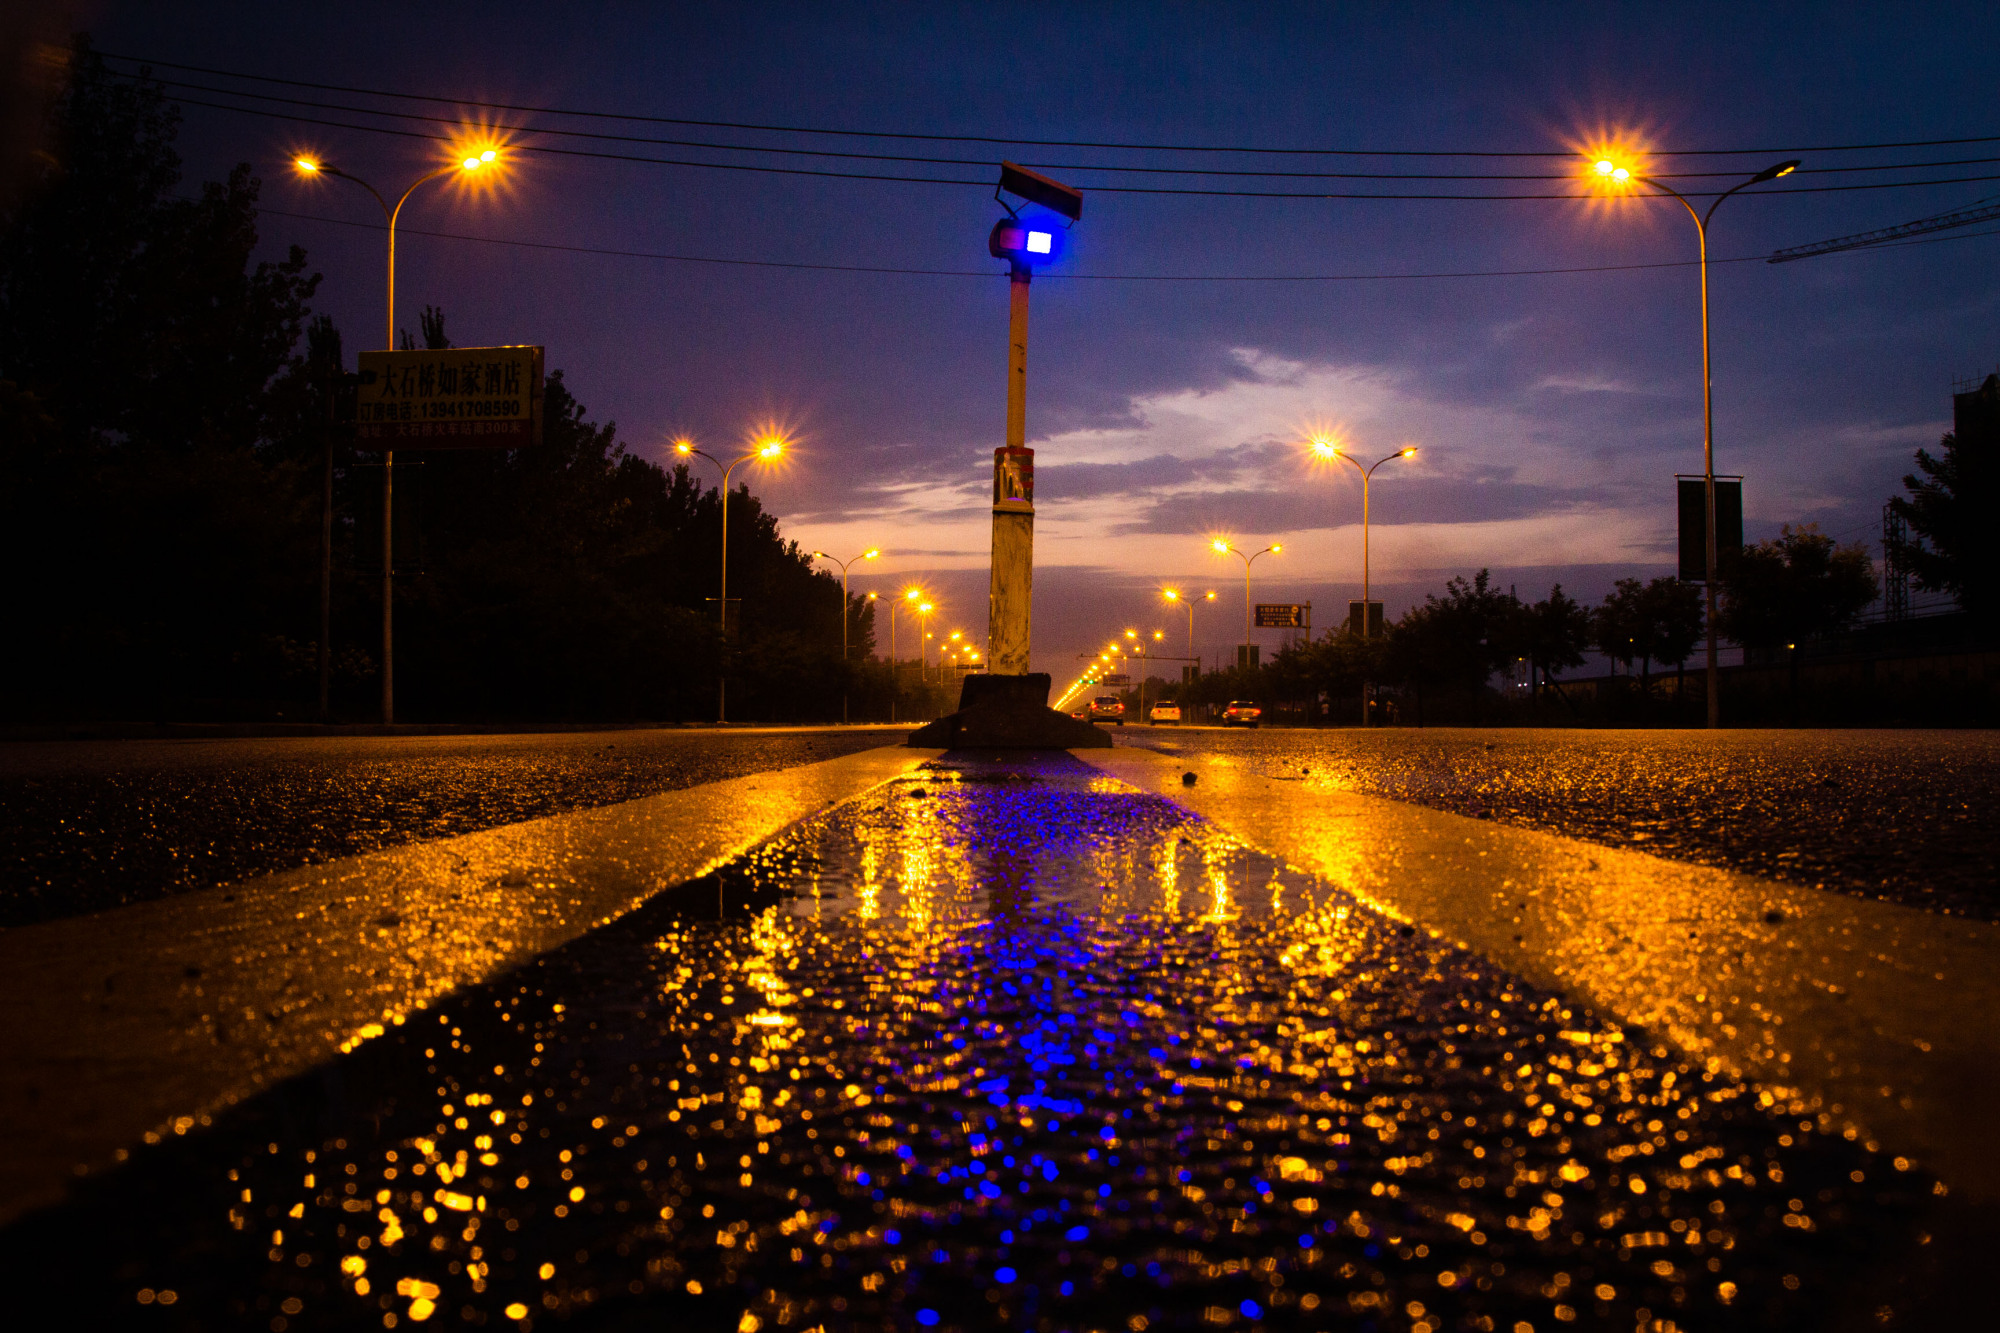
column 992, row 162
column 1056, row 276
column 996, row 139
column 987, row 183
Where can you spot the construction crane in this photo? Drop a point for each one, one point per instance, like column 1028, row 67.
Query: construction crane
column 1984, row 210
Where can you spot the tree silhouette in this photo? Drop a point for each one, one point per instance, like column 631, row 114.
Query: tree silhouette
column 1950, row 508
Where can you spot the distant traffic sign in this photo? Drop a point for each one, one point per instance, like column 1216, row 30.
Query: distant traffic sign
column 1284, row 615
column 458, row 398
column 1115, row 678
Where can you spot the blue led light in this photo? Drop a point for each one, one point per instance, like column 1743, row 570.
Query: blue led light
column 1039, row 242
column 1077, row 1233
column 1004, row 1275
column 1250, row 1309
column 927, row 1317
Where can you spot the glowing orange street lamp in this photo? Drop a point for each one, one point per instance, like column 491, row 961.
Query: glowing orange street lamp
column 845, row 611
column 1187, row 604
column 1222, row 546
column 479, row 160
column 764, row 449
column 907, row 601
column 1329, row 448
column 1614, row 176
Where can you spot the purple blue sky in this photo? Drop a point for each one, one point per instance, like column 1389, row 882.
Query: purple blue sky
column 1551, row 411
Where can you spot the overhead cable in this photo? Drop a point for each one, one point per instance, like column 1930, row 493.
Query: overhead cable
column 1052, row 275
column 987, row 184
column 1026, row 142
column 599, row 135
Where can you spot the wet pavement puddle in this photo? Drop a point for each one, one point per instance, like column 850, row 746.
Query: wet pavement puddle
column 997, row 1045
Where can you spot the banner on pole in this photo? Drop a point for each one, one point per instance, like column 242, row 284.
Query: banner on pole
column 455, row 398
column 1692, row 494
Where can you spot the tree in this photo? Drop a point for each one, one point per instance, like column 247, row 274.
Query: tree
column 1459, row 639
column 1660, row 621
column 1673, row 616
column 1800, row 586
column 1617, row 626
column 1553, row 633
column 1953, row 550
column 168, row 525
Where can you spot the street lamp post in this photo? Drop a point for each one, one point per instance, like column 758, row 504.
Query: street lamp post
column 1186, row 604
column 1222, row 546
column 768, row 448
column 868, row 554
column 1327, row 447
column 1613, row 175
column 312, row 166
column 909, row 601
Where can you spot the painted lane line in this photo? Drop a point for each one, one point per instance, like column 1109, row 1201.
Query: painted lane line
column 1877, row 1015
column 146, row 1020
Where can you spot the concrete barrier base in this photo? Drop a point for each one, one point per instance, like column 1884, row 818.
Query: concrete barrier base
column 1008, row 713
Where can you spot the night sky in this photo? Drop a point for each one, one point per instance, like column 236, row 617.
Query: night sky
column 1551, row 410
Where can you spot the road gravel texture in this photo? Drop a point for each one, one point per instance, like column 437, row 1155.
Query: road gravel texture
column 1909, row 816
column 1001, row 1045
column 90, row 825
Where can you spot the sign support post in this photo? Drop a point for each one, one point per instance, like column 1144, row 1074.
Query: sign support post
column 1007, row 705
column 1011, row 592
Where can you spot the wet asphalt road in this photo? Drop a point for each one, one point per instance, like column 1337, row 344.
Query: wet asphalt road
column 1909, row 816
column 89, row 825
column 1001, row 1046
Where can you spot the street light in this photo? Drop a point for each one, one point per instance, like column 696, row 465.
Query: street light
column 924, row 610
column 1328, row 447
column 1187, row 604
column 907, row 601
column 869, row 554
column 1611, row 175
column 1222, row 546
column 766, row 449
column 474, row 161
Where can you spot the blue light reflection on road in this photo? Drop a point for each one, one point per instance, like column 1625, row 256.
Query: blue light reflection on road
column 1020, row 1049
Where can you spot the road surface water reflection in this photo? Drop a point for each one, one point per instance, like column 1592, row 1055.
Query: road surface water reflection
column 999, row 1045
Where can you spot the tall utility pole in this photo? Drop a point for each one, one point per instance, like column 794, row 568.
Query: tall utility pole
column 1025, row 245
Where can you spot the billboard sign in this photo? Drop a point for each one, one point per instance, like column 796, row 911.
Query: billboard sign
column 1115, row 678
column 455, row 398
column 1374, row 628
column 1284, row 615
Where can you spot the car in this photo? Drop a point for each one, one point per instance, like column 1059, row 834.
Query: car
column 1107, row 708
column 1165, row 713
column 1241, row 713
